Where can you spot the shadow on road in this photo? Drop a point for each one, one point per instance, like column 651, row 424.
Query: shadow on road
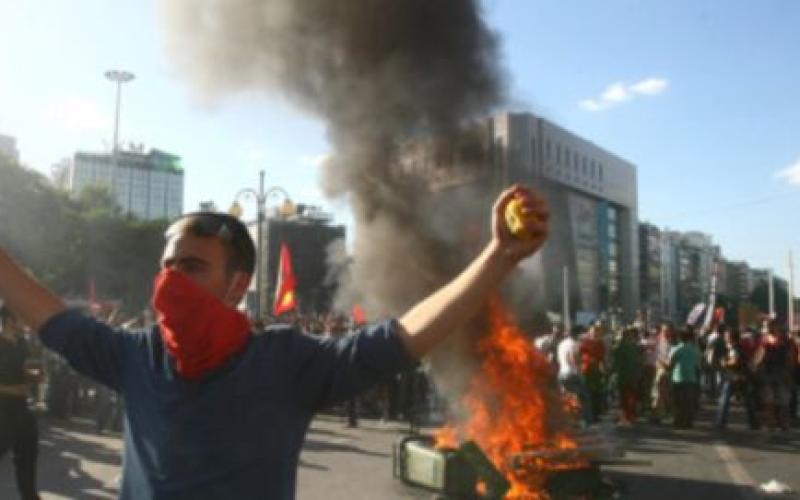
column 67, row 453
column 322, row 446
column 653, row 487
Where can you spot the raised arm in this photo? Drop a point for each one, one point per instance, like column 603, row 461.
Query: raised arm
column 32, row 303
column 431, row 320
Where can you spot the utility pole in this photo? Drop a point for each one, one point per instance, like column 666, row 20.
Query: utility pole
column 790, row 308
column 565, row 303
column 771, row 291
column 260, row 198
column 118, row 77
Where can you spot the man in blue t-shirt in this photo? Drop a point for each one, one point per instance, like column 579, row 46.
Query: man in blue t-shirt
column 213, row 411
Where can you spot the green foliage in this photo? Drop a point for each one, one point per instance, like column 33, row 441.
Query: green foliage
column 68, row 242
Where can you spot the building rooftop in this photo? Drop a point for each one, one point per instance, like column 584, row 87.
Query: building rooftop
column 154, row 159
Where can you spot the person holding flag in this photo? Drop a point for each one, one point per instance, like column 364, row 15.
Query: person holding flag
column 213, row 411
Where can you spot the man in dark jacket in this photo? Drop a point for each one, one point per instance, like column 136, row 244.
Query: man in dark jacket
column 215, row 412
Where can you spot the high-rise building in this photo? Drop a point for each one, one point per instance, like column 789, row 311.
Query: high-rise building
column 309, row 235
column 670, row 241
column 145, row 185
column 592, row 195
column 738, row 283
column 650, row 286
column 8, row 147
column 688, row 262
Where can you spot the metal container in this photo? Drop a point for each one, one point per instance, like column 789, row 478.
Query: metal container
column 418, row 463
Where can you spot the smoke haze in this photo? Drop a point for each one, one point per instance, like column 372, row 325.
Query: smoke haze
column 379, row 73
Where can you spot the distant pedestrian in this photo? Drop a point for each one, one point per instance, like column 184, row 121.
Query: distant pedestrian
column 793, row 404
column 593, row 356
column 684, row 364
column 774, row 365
column 735, row 380
column 18, row 432
column 662, row 385
column 628, row 369
column 647, row 346
column 569, row 373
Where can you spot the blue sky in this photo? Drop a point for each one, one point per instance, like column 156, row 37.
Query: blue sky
column 703, row 96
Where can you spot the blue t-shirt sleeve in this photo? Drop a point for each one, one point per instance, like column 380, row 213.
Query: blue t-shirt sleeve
column 326, row 371
column 92, row 348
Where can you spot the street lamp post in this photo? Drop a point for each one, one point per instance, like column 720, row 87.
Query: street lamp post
column 260, row 197
column 119, row 77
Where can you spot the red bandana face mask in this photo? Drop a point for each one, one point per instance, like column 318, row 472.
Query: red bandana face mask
column 198, row 329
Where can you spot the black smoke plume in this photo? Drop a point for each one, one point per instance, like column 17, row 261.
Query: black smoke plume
column 381, row 74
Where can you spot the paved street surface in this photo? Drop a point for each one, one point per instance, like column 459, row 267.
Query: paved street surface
column 342, row 463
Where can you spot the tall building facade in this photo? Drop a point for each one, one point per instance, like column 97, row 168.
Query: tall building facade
column 309, row 238
column 689, row 260
column 8, row 147
column 650, row 265
column 145, row 185
column 738, row 283
column 592, row 196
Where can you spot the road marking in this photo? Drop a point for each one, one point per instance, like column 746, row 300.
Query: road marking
column 737, row 472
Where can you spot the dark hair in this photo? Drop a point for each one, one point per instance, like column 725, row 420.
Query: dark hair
column 230, row 230
column 687, row 334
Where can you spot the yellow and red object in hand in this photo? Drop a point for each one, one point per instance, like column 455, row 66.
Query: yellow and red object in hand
column 519, row 220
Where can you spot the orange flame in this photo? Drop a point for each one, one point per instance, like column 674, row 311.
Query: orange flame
column 446, row 437
column 514, row 406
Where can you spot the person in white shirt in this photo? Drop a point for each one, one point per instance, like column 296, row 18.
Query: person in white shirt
column 569, row 373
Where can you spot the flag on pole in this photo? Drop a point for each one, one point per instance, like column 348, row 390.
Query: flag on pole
column 359, row 318
column 285, row 299
column 94, row 305
column 696, row 313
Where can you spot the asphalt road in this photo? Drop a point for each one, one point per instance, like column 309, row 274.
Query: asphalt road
column 341, row 463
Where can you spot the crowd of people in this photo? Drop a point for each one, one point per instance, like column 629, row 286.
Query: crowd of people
column 663, row 372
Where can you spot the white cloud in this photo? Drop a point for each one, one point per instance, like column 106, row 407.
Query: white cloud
column 620, row 92
column 790, row 173
column 616, row 92
column 650, row 86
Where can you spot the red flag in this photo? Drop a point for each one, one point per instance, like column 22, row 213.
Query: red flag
column 285, row 299
column 94, row 306
column 359, row 318
column 719, row 316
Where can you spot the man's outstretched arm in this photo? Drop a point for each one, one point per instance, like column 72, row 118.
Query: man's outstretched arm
column 430, row 321
column 32, row 303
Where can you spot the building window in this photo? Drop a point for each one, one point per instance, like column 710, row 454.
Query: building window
column 558, row 153
column 600, row 172
column 585, row 167
column 548, row 149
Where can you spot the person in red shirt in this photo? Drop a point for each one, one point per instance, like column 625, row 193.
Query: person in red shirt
column 593, row 356
column 774, row 364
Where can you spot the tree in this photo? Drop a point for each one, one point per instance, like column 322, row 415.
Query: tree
column 69, row 242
